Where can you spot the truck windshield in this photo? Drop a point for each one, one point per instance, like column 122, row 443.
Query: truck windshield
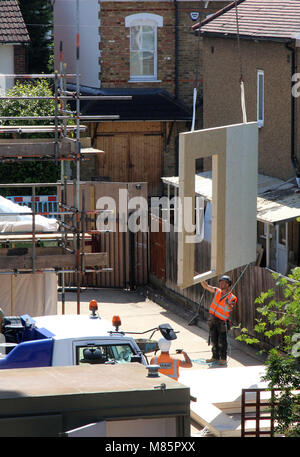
column 94, row 354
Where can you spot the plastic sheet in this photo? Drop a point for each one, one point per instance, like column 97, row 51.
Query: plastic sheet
column 22, row 222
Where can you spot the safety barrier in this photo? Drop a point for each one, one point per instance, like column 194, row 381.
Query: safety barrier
column 44, row 204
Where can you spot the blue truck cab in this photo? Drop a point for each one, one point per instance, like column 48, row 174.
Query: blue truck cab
column 61, row 340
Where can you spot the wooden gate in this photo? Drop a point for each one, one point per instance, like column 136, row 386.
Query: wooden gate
column 133, row 153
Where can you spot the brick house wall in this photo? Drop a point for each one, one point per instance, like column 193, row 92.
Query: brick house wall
column 115, row 60
column 177, row 55
column 222, row 103
column 115, row 44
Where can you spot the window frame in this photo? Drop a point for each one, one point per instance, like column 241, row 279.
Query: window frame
column 108, row 346
column 144, row 19
column 260, row 98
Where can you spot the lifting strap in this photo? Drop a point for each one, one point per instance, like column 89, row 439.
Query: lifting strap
column 196, row 80
column 242, row 86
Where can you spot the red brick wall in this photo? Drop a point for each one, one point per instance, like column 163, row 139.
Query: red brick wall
column 115, row 54
column 20, row 59
column 115, row 42
column 190, row 61
column 114, row 45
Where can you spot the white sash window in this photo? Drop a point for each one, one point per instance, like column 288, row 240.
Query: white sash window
column 143, row 45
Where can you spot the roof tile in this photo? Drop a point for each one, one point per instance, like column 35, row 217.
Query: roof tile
column 278, row 19
column 12, row 25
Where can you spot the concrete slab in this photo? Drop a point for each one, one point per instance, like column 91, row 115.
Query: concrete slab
column 218, row 394
column 233, row 198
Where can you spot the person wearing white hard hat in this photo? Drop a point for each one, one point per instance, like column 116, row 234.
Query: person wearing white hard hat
column 170, row 365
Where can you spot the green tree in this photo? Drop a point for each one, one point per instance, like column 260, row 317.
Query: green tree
column 28, row 171
column 280, row 321
column 38, row 17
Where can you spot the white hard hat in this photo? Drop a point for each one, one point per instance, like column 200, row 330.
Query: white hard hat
column 164, row 345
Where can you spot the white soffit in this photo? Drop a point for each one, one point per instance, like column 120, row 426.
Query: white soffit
column 277, row 200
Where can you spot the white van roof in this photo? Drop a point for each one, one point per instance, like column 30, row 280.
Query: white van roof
column 74, row 326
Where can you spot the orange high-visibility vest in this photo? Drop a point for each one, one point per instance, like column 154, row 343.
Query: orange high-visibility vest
column 168, row 365
column 219, row 306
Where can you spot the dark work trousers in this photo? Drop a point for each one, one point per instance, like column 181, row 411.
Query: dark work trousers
column 218, row 337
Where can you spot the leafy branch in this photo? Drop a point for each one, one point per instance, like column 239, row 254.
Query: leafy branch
column 28, row 171
column 281, row 318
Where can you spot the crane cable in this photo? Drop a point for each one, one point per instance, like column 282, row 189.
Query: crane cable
column 242, row 86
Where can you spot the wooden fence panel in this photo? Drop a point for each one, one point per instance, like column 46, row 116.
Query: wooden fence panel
column 123, row 274
column 157, row 248
column 127, row 251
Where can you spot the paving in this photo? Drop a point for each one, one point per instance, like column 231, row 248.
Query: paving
column 139, row 313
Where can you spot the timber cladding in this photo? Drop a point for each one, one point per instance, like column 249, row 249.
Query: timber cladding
column 222, row 101
column 157, row 246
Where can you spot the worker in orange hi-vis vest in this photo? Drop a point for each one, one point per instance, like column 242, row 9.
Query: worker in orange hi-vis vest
column 223, row 302
column 170, row 365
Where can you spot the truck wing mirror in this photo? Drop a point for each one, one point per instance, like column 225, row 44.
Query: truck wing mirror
column 167, row 332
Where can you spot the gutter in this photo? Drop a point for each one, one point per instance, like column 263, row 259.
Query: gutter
column 294, row 159
column 233, row 36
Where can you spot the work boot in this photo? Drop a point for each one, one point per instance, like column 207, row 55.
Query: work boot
column 222, row 362
column 211, row 360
